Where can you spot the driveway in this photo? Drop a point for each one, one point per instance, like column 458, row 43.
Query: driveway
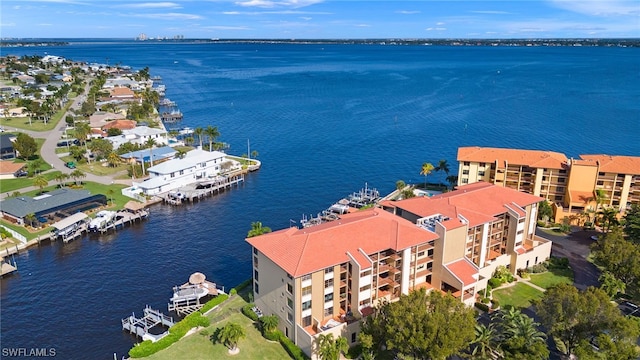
column 575, row 247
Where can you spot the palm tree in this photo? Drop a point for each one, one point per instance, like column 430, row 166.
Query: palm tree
column 40, row 181
column 150, row 143
column 600, row 197
column 113, row 159
column 31, row 217
column 443, row 166
column 485, row 346
column 82, row 130
column 77, row 174
column 400, row 184
column 452, row 180
column 230, row 334
column 180, row 154
column 330, row 349
column 525, row 328
column 427, row 168
column 269, row 323
column 198, row 132
column 257, row 229
column 60, row 178
column 608, row 218
column 212, row 133
column 110, row 192
column 34, row 166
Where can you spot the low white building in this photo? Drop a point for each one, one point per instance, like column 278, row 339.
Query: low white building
column 140, row 135
column 197, row 166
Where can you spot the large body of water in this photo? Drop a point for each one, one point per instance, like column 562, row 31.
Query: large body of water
column 325, row 119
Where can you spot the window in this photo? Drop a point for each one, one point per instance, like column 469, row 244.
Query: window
column 466, row 163
column 173, row 174
column 480, row 173
column 204, row 164
column 290, row 317
column 465, row 181
column 429, row 265
column 558, row 197
column 601, row 174
column 430, row 252
column 306, row 321
column 421, row 254
column 181, row 172
column 255, row 251
column 255, row 275
column 328, row 283
column 289, row 288
column 306, row 277
column 561, row 180
column 306, row 305
column 306, row 291
column 328, row 297
column 328, row 312
column 465, row 172
column 290, row 303
column 255, row 261
column 520, row 232
column 365, row 273
column 328, row 270
column 366, row 287
column 353, row 337
column 256, row 289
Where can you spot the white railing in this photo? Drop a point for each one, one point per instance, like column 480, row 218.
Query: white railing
column 15, row 234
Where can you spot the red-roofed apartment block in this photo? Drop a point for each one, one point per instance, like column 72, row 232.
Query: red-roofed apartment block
column 325, row 278
column 569, row 184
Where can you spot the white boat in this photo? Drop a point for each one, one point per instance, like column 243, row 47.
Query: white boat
column 101, row 220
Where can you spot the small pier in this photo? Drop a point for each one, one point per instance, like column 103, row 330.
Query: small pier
column 357, row 200
column 171, row 116
column 186, row 297
column 142, row 327
column 202, row 189
column 8, row 266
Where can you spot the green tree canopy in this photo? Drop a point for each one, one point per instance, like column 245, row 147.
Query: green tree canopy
column 25, row 145
column 101, row 148
column 573, row 317
column 619, row 257
column 632, row 223
column 429, row 326
column 231, row 334
column 329, row 348
column 426, row 169
column 257, row 229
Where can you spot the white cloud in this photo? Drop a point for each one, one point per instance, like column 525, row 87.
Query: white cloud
column 436, row 29
column 363, row 25
column 7, row 24
column 283, row 3
column 439, row 23
column 276, row 12
column 307, row 18
column 600, row 7
column 491, row 12
column 408, row 12
column 152, row 5
column 169, row 16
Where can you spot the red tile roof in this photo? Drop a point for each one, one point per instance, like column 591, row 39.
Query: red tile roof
column 533, row 158
column 616, row 163
column 303, row 251
column 9, row 167
column 121, row 124
column 478, row 203
column 464, row 270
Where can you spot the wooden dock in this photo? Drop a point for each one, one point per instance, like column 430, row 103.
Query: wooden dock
column 201, row 190
column 8, row 266
column 141, row 326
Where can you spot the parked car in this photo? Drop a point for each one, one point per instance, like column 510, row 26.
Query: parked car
column 70, row 165
column 21, row 173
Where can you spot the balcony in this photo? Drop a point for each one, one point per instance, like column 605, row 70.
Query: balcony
column 386, row 281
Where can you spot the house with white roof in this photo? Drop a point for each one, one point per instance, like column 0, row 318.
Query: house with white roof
column 140, row 135
column 197, row 165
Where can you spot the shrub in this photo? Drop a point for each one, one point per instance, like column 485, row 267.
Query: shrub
column 541, row 223
column 495, row 304
column 481, row 306
column 204, row 332
column 494, row 283
column 558, row 262
column 485, row 300
column 523, row 273
column 354, row 352
column 214, row 302
column 243, row 284
column 295, row 352
column 233, row 292
column 246, row 310
column 272, row 335
column 539, row 268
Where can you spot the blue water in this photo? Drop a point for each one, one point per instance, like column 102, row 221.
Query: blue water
column 325, row 119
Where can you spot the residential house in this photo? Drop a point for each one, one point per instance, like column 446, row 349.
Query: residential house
column 6, row 146
column 197, row 165
column 10, row 170
column 122, row 93
column 325, row 278
column 140, row 135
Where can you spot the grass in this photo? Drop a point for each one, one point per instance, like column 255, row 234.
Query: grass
column 520, row 296
column 11, row 185
column 199, row 346
column 36, row 125
column 96, row 167
column 30, row 235
column 552, row 277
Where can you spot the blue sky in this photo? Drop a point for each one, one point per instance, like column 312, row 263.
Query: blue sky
column 305, row 19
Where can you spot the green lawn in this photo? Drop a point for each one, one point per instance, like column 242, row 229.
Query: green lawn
column 23, row 231
column 198, row 346
column 11, row 185
column 96, row 167
column 552, row 277
column 36, row 125
column 519, row 296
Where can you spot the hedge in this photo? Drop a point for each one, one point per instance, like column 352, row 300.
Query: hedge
column 294, row 351
column 243, row 284
column 176, row 332
column 248, row 312
column 481, row 306
column 213, row 303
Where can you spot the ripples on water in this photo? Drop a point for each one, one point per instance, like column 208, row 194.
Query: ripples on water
column 325, row 120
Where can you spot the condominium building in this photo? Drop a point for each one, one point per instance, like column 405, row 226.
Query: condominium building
column 569, row 184
column 325, row 278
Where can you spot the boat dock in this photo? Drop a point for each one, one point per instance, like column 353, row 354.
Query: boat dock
column 171, row 116
column 142, row 326
column 186, row 297
column 201, row 189
column 122, row 218
column 364, row 198
column 8, row 266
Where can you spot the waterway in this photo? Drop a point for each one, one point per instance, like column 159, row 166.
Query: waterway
column 325, row 119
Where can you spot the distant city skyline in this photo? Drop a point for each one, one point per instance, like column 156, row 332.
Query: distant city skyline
column 316, row 19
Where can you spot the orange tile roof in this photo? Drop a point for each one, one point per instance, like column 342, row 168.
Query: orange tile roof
column 121, row 91
column 616, row 163
column 581, row 196
column 583, row 162
column 121, row 124
column 9, row 167
column 303, row 251
column 464, row 270
column 478, row 203
column 533, row 158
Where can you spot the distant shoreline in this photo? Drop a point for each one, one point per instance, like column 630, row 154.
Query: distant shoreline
column 590, row 42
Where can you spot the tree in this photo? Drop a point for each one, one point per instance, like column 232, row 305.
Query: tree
column 101, row 148
column 632, row 223
column 35, row 165
column 110, row 192
column 427, row 168
column 114, row 132
column 269, row 323
column 521, row 338
column 573, row 317
column 77, row 153
column 230, row 335
column 485, row 346
column 113, row 159
column 366, row 343
column 400, row 185
column 408, row 193
column 600, row 197
column 443, row 166
column 30, row 218
column 40, row 181
column 619, row 257
column 545, row 212
column 150, row 143
column 610, row 284
column 257, row 229
column 82, row 131
column 180, row 154
column 61, row 178
column 452, row 180
column 198, row 132
column 25, row 145
column 608, row 218
column 429, row 326
column 329, row 348
column 77, row 174
column 212, row 133
column 254, row 154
